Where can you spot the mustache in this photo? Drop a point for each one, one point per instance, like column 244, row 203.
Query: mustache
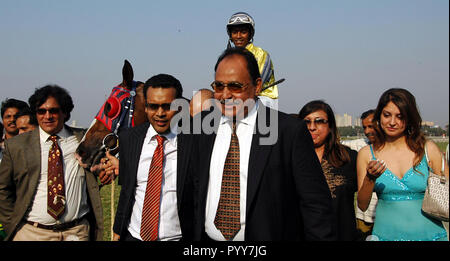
column 230, row 102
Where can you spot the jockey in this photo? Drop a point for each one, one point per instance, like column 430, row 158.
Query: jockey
column 241, row 29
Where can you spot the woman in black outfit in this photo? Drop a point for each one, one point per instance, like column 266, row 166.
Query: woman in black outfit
column 338, row 165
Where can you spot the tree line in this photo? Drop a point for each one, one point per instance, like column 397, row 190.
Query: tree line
column 351, row 131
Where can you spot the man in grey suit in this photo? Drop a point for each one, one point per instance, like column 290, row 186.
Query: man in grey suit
column 45, row 195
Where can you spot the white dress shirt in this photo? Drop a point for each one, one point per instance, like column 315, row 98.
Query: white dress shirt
column 244, row 132
column 169, row 223
column 74, row 181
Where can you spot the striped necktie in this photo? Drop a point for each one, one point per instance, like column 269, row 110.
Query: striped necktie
column 227, row 219
column 56, row 199
column 150, row 210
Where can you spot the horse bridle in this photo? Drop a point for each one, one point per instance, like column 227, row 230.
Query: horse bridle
column 105, row 147
column 129, row 107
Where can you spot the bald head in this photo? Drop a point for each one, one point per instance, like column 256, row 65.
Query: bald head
column 201, row 101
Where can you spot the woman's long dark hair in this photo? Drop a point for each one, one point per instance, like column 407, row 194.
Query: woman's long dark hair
column 335, row 152
column 406, row 103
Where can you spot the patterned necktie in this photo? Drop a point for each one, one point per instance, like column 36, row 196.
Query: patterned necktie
column 228, row 218
column 150, row 210
column 56, row 199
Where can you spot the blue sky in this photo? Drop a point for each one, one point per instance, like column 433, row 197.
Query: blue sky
column 345, row 52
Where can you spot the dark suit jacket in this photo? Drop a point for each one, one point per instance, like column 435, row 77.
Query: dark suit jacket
column 131, row 142
column 287, row 194
column 19, row 177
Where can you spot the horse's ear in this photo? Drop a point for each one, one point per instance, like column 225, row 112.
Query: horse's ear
column 127, row 74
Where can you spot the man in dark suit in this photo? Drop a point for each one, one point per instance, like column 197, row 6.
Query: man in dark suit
column 254, row 184
column 45, row 195
column 155, row 202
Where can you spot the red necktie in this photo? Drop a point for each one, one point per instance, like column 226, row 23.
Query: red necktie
column 228, row 218
column 55, row 181
column 150, row 210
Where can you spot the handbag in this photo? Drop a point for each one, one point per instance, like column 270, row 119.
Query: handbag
column 435, row 202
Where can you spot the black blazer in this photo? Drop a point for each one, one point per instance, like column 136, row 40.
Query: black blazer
column 131, row 142
column 287, row 194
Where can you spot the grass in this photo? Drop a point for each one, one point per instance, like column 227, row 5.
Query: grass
column 442, row 146
column 105, row 194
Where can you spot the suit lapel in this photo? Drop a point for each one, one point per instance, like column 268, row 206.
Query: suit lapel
column 136, row 141
column 206, row 146
column 183, row 145
column 33, row 157
column 79, row 133
column 258, row 157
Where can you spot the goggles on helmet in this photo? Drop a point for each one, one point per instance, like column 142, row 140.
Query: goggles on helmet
column 240, row 19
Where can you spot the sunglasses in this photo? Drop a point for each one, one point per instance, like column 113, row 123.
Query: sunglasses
column 51, row 111
column 235, row 87
column 155, row 106
column 318, row 121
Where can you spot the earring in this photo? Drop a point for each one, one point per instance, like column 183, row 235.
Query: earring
column 409, row 131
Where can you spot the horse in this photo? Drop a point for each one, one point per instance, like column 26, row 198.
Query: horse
column 125, row 107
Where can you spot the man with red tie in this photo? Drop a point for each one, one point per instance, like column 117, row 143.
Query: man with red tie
column 45, row 195
column 152, row 164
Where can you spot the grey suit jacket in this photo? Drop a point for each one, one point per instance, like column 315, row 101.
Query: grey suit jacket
column 19, row 176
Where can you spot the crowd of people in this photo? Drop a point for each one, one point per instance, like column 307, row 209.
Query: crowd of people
column 227, row 185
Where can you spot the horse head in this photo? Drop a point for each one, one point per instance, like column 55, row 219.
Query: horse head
column 123, row 108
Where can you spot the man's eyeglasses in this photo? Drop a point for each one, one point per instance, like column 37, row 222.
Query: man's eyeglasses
column 232, row 86
column 53, row 111
column 156, row 106
column 318, row 121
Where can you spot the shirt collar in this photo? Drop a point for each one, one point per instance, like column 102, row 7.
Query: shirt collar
column 170, row 136
column 62, row 134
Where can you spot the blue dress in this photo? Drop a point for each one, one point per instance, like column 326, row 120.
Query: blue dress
column 399, row 215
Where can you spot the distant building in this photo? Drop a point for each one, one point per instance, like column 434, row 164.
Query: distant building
column 428, row 123
column 343, row 120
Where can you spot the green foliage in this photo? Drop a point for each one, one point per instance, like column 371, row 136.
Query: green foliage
column 432, row 131
column 349, row 131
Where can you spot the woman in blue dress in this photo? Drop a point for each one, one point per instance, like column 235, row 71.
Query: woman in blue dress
column 395, row 167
